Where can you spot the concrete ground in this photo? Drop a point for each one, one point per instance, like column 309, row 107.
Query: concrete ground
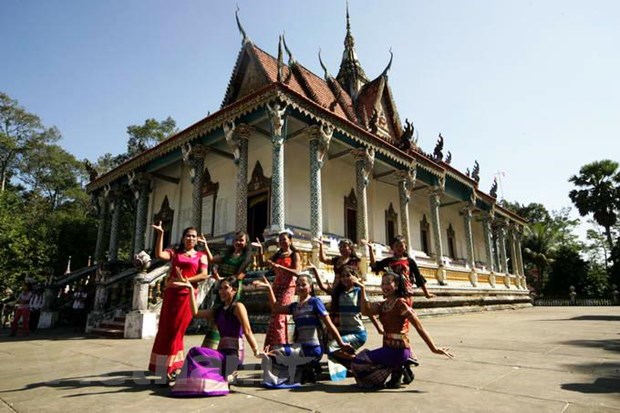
column 540, row 359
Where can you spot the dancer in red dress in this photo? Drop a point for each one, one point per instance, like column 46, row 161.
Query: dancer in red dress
column 167, row 355
column 286, row 263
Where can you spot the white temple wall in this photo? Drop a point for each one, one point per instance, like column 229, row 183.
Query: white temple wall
column 224, row 172
column 297, row 184
column 380, row 195
column 418, row 207
column 259, row 149
column 337, row 180
column 160, row 190
column 450, row 215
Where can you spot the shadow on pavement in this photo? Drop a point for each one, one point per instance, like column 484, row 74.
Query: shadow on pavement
column 597, row 318
column 352, row 388
column 118, row 382
column 600, row 385
column 611, row 345
column 61, row 333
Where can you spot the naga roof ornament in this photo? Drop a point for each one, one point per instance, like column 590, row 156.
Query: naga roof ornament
column 245, row 39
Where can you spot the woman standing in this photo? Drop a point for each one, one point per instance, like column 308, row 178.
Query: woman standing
column 167, row 354
column 22, row 310
column 371, row 368
column 401, row 263
column 206, row 371
column 286, row 263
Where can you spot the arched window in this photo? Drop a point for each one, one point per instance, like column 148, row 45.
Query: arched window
column 451, row 242
column 209, row 196
column 425, row 240
column 350, row 216
column 391, row 224
column 165, row 216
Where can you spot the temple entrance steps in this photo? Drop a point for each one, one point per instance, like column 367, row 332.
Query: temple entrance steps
column 110, row 328
column 447, row 300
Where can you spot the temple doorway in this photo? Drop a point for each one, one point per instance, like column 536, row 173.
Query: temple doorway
column 258, row 212
column 258, row 203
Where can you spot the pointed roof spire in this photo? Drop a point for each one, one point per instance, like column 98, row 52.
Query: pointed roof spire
column 327, row 75
column 245, row 39
column 389, row 66
column 291, row 59
column 280, row 60
column 351, row 75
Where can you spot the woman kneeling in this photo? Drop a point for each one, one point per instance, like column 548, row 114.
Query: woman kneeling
column 371, row 368
column 206, row 372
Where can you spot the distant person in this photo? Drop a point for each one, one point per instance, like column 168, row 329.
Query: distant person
column 36, row 304
column 22, row 310
column 78, row 308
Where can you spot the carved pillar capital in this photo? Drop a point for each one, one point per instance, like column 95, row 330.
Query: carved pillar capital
column 322, row 135
column 365, row 159
column 236, row 138
column 277, row 118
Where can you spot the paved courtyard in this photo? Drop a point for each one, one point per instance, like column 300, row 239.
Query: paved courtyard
column 541, row 359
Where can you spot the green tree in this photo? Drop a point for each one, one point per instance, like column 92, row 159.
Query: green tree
column 143, row 137
column 598, row 193
column 541, row 241
column 19, row 131
column 567, row 269
column 533, row 212
column 25, row 239
column 53, row 173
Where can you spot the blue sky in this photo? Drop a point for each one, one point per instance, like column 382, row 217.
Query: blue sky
column 528, row 88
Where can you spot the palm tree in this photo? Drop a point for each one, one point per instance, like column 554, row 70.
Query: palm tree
column 598, row 192
column 541, row 240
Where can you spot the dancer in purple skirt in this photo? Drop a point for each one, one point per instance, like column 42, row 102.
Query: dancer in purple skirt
column 206, row 372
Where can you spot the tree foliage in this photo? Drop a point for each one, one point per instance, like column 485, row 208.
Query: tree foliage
column 152, row 132
column 45, row 213
column 20, row 132
column 597, row 192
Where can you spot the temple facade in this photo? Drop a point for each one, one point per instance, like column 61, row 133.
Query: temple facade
column 323, row 156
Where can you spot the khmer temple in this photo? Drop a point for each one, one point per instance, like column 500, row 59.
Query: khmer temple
column 322, row 155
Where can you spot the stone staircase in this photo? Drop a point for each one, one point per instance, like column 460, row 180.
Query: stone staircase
column 110, row 328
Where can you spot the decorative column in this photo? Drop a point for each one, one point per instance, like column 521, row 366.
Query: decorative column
column 521, row 266
column 512, row 239
column 141, row 187
column 488, row 245
column 435, row 199
column 501, row 241
column 364, row 161
column 277, row 120
column 116, row 207
column 237, row 140
column 194, row 156
column 406, row 183
column 471, row 260
column 320, row 137
column 102, row 203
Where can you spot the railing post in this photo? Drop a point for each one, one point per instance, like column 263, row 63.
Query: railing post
column 101, row 297
column 140, row 322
